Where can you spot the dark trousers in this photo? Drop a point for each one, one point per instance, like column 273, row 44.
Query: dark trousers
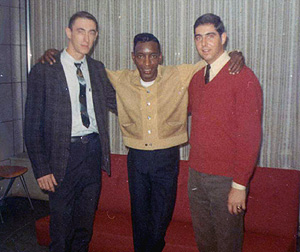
column 152, row 179
column 73, row 204
column 216, row 230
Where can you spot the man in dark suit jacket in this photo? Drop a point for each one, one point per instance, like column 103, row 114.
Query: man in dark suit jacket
column 66, row 134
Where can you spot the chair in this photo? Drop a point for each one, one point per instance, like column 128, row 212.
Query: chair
column 13, row 172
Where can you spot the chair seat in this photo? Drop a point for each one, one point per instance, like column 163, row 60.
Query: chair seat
column 12, row 171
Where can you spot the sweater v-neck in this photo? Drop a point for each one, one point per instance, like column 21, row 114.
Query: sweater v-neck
column 216, row 78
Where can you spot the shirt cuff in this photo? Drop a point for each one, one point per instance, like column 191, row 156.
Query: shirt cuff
column 238, row 186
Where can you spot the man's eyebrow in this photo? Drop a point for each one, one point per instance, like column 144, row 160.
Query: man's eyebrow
column 82, row 29
column 209, row 33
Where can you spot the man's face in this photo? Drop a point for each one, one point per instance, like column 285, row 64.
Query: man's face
column 209, row 43
column 81, row 37
column 147, row 57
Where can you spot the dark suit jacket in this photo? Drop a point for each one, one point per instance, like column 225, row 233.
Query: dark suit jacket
column 48, row 116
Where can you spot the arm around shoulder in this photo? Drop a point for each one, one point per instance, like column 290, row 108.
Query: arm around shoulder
column 109, row 91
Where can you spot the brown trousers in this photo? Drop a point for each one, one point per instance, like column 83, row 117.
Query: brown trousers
column 216, row 230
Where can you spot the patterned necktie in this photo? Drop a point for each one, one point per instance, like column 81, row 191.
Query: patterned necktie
column 82, row 97
column 206, row 77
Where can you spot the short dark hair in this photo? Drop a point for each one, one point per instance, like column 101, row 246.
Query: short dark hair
column 82, row 14
column 210, row 18
column 145, row 37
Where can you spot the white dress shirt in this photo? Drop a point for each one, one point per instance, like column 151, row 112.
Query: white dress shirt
column 78, row 129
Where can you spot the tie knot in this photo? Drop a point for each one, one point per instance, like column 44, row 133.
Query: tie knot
column 208, row 67
column 78, row 65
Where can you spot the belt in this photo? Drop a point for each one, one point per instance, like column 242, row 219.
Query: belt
column 84, row 139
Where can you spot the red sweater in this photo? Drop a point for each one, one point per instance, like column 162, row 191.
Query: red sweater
column 226, row 124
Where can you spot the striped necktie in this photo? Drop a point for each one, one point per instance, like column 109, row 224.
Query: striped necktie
column 82, row 96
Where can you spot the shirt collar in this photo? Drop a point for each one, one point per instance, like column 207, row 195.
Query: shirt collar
column 219, row 63
column 146, row 83
column 68, row 59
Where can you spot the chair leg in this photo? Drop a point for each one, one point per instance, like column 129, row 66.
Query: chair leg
column 1, row 218
column 8, row 188
column 11, row 181
column 26, row 190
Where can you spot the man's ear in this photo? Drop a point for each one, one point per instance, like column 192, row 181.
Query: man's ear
column 223, row 38
column 68, row 32
column 133, row 56
column 160, row 57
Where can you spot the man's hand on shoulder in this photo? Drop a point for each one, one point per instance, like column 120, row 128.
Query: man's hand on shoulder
column 236, row 201
column 47, row 182
column 48, row 56
column 237, row 62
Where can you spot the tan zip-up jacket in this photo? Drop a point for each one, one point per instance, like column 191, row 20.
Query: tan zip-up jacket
column 155, row 117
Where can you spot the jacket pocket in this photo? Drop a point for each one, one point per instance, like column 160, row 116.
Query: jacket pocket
column 131, row 130
column 174, row 124
column 125, row 125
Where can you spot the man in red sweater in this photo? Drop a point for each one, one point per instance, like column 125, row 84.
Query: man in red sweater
column 225, row 141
